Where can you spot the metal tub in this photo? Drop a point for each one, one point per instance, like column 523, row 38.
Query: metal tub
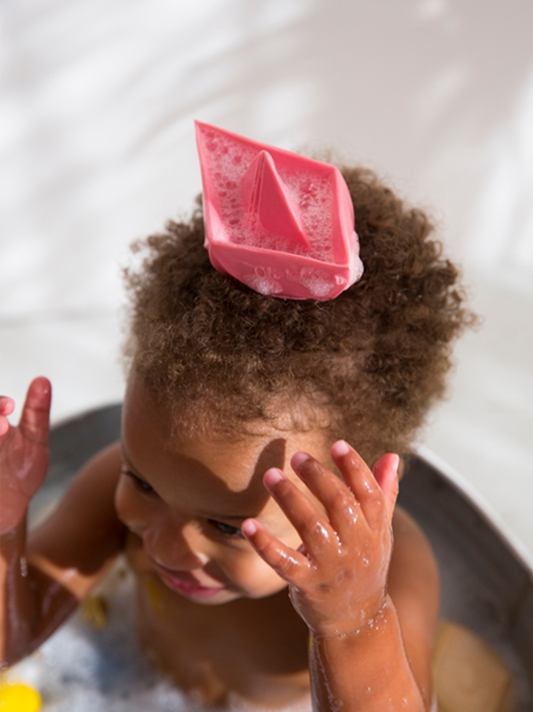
column 487, row 580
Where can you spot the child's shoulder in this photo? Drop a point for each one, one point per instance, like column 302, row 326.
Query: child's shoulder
column 412, row 557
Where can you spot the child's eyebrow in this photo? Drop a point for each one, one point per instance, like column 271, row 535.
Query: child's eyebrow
column 128, row 459
column 207, row 515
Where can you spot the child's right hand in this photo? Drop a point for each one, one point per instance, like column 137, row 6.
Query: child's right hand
column 24, row 453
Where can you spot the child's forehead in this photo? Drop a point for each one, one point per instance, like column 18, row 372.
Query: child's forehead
column 238, row 462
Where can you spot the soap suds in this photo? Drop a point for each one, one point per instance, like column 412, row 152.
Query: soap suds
column 311, row 195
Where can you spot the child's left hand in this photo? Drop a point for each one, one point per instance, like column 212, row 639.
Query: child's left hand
column 338, row 576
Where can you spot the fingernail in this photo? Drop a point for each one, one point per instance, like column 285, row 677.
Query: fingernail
column 272, row 477
column 298, row 459
column 395, row 462
column 341, row 447
column 248, row 528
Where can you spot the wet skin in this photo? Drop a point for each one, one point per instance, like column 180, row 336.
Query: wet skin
column 184, row 504
column 187, row 501
column 183, row 507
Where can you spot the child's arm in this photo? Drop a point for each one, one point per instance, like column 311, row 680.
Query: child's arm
column 42, row 581
column 360, row 651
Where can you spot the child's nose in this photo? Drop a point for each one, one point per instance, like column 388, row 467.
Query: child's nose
column 177, row 546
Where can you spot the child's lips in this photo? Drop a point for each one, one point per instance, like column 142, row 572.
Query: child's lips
column 185, row 583
column 191, row 591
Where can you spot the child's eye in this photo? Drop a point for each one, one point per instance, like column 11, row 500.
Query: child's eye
column 226, row 529
column 141, row 484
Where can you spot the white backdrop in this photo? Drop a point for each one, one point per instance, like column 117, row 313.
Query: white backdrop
column 97, row 148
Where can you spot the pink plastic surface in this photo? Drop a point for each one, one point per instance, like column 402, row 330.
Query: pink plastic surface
column 280, row 223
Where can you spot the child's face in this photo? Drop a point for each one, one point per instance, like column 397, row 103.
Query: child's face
column 187, row 501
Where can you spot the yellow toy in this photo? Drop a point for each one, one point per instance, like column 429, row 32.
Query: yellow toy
column 17, row 697
column 94, row 612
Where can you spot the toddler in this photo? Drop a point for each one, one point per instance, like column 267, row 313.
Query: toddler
column 253, row 489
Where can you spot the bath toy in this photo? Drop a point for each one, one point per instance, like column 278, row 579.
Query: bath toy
column 94, row 612
column 17, row 697
column 279, row 222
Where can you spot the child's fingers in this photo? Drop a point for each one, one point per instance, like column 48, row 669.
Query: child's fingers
column 7, row 406
column 313, row 528
column 386, row 474
column 286, row 562
column 4, row 425
column 35, row 418
column 360, row 480
column 342, row 509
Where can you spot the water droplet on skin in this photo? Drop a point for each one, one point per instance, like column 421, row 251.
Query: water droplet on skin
column 366, row 562
column 351, row 513
column 369, row 488
column 319, row 529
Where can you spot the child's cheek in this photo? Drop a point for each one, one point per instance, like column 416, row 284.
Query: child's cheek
column 256, row 578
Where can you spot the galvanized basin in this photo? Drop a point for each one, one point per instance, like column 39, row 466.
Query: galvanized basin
column 487, row 580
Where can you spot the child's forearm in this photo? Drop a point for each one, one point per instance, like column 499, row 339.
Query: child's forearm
column 337, row 579
column 366, row 671
column 16, row 596
column 29, row 600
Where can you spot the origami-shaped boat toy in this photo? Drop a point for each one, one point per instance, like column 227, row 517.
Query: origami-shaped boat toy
column 280, row 223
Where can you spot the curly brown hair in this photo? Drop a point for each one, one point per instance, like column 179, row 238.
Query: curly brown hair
column 367, row 365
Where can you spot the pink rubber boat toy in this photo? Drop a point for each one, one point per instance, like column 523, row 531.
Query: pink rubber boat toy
column 280, row 223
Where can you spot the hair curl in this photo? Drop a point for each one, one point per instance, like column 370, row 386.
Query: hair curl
column 368, row 365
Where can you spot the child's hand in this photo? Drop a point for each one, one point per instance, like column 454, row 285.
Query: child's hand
column 23, row 452
column 338, row 576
